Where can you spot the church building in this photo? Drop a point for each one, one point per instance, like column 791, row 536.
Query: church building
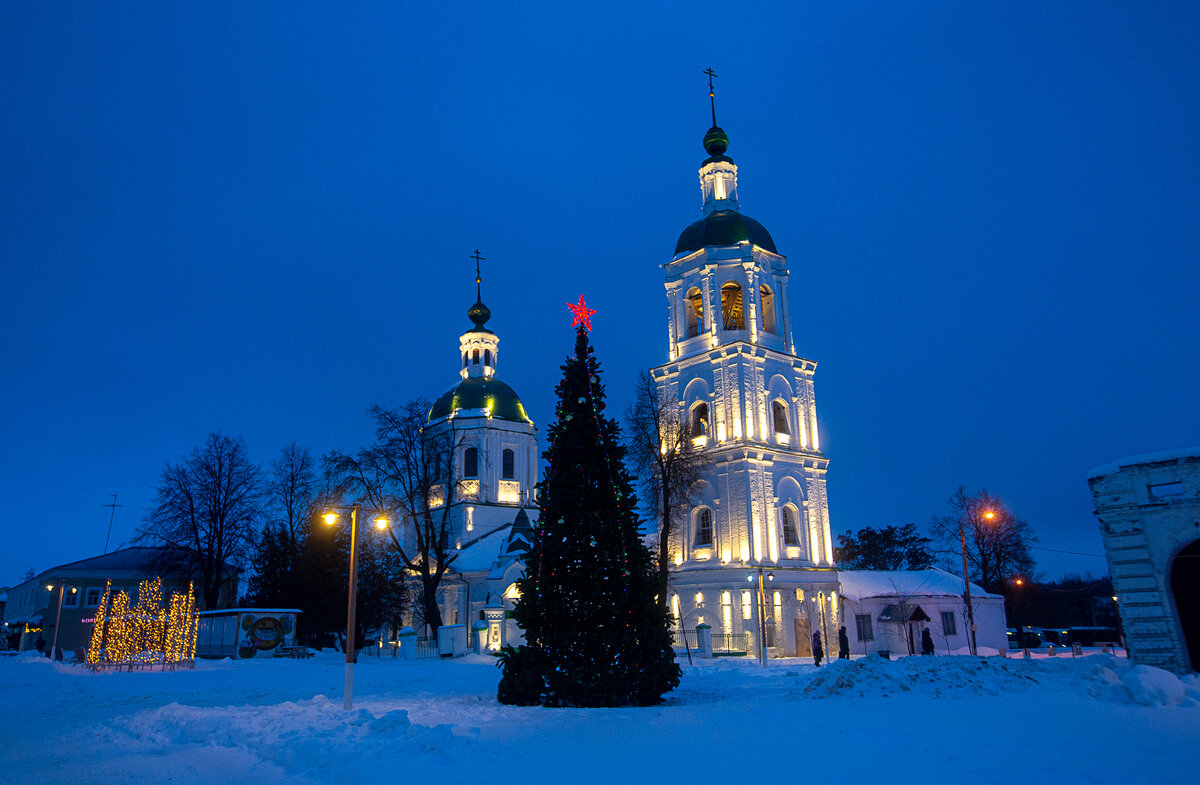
column 755, row 543
column 495, row 464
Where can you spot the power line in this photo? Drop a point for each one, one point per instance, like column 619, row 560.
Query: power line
column 1073, row 553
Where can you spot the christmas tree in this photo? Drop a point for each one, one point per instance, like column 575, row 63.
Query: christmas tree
column 594, row 633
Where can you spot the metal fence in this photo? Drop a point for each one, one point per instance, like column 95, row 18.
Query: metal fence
column 736, row 643
column 427, row 649
column 725, row 644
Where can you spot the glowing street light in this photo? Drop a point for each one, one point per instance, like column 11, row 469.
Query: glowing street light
column 962, row 538
column 381, row 523
column 62, row 587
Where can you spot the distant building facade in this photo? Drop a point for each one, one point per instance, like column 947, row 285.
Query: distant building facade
column 1149, row 512
column 32, row 608
column 888, row 610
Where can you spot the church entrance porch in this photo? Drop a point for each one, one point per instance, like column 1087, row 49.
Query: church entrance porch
column 1185, row 588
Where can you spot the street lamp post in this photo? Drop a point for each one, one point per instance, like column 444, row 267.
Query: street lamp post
column 962, row 538
column 57, row 616
column 762, row 613
column 381, row 522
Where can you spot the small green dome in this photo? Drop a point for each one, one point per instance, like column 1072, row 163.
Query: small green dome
column 480, row 392
column 724, row 227
column 716, row 141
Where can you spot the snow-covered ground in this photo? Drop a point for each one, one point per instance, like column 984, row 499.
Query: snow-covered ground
column 1097, row 719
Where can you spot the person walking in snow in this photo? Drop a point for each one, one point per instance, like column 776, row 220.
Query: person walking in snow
column 843, row 645
column 926, row 642
column 818, row 652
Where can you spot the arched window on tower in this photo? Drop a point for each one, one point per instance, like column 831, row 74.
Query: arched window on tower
column 470, row 462
column 780, row 417
column 466, row 360
column 474, row 357
column 766, row 303
column 731, row 307
column 694, row 305
column 704, row 527
column 506, row 465
column 791, row 535
column 700, row 420
column 487, row 357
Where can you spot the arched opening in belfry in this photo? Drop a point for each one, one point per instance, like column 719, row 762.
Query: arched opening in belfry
column 694, row 304
column 731, row 307
column 1185, row 588
column 766, row 301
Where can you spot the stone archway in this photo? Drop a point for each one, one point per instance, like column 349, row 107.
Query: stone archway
column 1185, row 588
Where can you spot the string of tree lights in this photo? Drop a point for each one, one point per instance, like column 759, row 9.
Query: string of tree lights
column 147, row 634
column 595, row 634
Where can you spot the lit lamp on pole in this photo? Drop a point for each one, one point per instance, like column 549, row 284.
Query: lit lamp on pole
column 381, row 522
column 988, row 515
column 62, row 587
column 762, row 612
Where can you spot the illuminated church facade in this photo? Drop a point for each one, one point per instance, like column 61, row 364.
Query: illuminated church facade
column 495, row 466
column 749, row 400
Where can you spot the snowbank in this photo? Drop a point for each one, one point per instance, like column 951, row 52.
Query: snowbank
column 301, row 736
column 1098, row 676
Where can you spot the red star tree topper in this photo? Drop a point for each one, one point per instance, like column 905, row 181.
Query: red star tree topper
column 583, row 314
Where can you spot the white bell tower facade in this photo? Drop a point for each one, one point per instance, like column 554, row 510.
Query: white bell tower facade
column 750, row 403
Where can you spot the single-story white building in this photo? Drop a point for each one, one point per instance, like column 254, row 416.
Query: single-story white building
column 889, row 610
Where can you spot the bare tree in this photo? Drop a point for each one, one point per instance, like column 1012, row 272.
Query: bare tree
column 207, row 510
column 997, row 542
column 410, row 469
column 660, row 448
column 292, row 492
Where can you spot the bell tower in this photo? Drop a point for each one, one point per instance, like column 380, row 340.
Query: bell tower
column 749, row 400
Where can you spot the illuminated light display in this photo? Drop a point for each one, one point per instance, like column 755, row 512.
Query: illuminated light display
column 583, row 314
column 147, row 634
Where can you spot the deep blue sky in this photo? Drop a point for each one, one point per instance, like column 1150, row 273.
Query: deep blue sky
column 257, row 219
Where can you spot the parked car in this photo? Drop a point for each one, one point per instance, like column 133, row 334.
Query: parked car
column 1030, row 638
column 1094, row 636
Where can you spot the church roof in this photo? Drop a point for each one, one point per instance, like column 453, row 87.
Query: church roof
column 724, row 227
column 480, row 392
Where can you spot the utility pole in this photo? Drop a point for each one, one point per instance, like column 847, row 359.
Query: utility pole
column 111, row 515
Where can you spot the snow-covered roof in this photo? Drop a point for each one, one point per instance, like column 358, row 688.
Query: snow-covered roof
column 860, row 584
column 1152, row 457
column 226, row 611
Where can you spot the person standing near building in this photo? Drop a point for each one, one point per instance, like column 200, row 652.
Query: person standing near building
column 818, row 652
column 926, row 642
column 843, row 645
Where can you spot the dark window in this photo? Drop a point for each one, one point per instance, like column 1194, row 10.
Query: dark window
column 474, row 357
column 487, row 357
column 790, row 535
column 948, row 624
column 779, row 411
column 93, row 598
column 704, row 528
column 470, row 462
column 1166, row 489
column 695, row 312
column 731, row 307
column 507, row 465
column 71, row 599
column 466, row 360
column 700, row 419
column 863, row 623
